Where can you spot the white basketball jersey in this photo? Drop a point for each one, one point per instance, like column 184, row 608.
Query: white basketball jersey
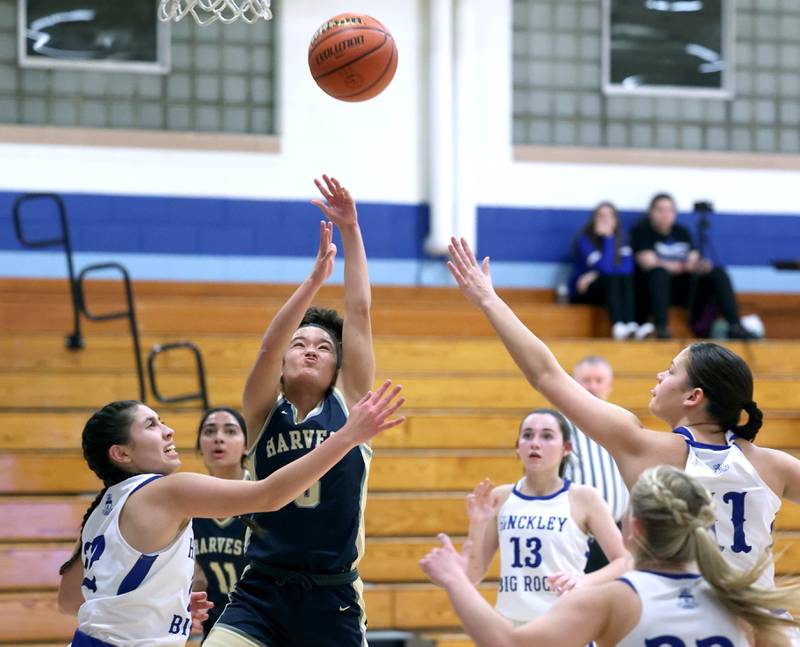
column 745, row 505
column 537, row 538
column 680, row 609
column 133, row 600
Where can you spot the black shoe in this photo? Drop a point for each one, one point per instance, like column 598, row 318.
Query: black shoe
column 663, row 332
column 738, row 331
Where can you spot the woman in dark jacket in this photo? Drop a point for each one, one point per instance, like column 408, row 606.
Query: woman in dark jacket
column 603, row 272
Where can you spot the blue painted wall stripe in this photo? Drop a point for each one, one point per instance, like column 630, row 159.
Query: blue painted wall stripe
column 284, row 269
column 209, row 227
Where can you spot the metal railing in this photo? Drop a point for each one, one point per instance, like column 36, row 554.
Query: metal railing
column 75, row 339
column 201, row 394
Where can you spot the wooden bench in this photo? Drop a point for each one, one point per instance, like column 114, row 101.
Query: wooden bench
column 236, row 352
column 48, row 519
column 423, row 429
column 34, row 616
column 66, row 389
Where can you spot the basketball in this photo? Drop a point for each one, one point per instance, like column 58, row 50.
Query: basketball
column 352, row 57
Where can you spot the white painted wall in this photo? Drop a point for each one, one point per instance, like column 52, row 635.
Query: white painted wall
column 380, row 147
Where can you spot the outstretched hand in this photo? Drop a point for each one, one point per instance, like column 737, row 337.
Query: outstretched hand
column 562, row 582
column 474, row 281
column 326, row 254
column 444, row 564
column 372, row 414
column 199, row 604
column 479, row 503
column 339, row 206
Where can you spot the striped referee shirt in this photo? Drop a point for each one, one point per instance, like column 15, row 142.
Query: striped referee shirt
column 591, row 464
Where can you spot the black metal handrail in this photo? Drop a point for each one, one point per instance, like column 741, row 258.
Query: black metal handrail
column 201, row 395
column 75, row 339
column 129, row 313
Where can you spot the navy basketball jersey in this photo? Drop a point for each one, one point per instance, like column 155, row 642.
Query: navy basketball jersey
column 219, row 552
column 322, row 531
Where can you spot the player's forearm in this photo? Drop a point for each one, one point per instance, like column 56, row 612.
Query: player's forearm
column 357, row 292
column 284, row 486
column 611, row 571
column 485, row 626
column 480, row 557
column 531, row 355
column 280, row 329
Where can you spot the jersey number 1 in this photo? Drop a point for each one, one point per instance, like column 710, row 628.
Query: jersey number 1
column 736, row 500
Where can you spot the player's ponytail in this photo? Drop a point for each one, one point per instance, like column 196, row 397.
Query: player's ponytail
column 727, row 385
column 107, row 427
column 677, row 513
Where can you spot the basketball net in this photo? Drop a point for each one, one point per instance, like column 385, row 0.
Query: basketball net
column 205, row 12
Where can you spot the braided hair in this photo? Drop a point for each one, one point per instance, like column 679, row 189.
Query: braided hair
column 106, row 427
column 677, row 515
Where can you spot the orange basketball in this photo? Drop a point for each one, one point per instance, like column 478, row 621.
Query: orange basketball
column 352, row 57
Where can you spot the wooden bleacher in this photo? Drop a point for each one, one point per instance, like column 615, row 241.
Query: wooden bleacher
column 465, row 399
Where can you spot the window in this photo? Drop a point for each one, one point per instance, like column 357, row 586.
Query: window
column 668, row 47
column 93, row 34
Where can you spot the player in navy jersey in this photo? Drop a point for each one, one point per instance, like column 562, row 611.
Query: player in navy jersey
column 301, row 586
column 664, row 602
column 129, row 579
column 703, row 395
column 219, row 543
column 541, row 525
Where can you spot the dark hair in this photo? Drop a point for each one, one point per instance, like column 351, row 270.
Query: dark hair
column 564, row 425
column 106, row 427
column 656, row 198
column 588, row 231
column 237, row 416
column 330, row 321
column 727, row 385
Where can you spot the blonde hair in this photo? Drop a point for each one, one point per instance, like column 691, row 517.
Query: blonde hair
column 677, row 513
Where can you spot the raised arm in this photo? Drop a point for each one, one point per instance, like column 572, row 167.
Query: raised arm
column 168, row 502
column 600, row 524
column 482, row 511
column 618, row 430
column 574, row 621
column 358, row 359
column 263, row 382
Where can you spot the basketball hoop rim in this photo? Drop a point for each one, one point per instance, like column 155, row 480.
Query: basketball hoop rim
column 205, row 12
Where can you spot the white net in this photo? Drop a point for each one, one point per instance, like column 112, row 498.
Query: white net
column 205, row 12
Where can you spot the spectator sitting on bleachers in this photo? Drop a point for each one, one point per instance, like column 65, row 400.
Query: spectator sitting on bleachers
column 603, row 272
column 673, row 272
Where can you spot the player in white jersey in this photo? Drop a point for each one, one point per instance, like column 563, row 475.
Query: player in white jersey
column 541, row 524
column 705, row 392
column 130, row 576
column 664, row 602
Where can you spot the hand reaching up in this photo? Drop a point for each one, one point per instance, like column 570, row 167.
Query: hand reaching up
column 479, row 503
column 445, row 564
column 475, row 281
column 339, row 206
column 326, row 254
column 371, row 415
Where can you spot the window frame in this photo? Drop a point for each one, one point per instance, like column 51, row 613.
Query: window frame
column 726, row 91
column 160, row 66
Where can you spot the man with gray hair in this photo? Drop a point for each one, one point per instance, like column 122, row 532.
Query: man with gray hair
column 590, row 463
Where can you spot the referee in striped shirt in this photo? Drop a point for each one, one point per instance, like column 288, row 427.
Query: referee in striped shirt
column 590, row 463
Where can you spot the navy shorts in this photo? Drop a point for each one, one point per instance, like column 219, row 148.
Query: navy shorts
column 294, row 614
